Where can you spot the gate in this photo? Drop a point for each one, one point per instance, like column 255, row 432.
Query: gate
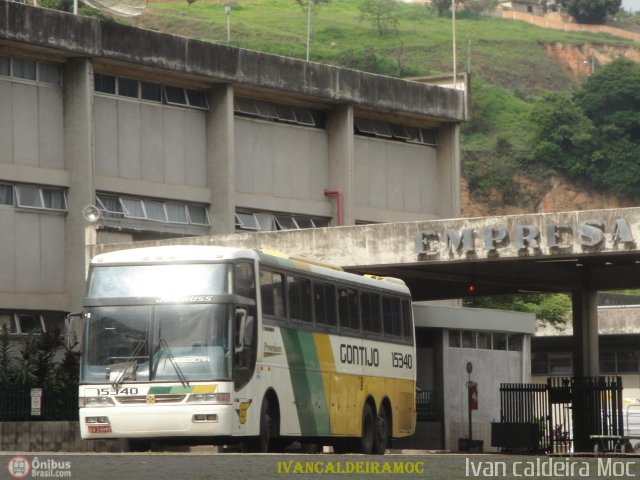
column 559, row 416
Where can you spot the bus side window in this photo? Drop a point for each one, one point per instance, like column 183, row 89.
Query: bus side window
column 348, row 308
column 391, row 316
column 324, row 299
column 299, row 290
column 244, row 282
column 370, row 309
column 406, row 320
column 272, row 292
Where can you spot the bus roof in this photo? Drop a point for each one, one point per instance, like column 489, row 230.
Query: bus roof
column 193, row 253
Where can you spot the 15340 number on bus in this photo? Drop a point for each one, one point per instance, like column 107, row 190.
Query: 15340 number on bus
column 402, row 360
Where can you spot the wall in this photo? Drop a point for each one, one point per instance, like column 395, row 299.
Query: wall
column 31, row 124
column 51, row 437
column 154, row 143
column 490, row 368
column 281, row 167
column 394, row 181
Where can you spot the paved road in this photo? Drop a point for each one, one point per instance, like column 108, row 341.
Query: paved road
column 190, row 466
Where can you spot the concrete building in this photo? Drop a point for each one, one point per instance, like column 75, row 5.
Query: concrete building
column 171, row 137
column 497, row 344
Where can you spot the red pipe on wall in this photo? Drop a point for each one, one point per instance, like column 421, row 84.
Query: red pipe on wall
column 338, row 195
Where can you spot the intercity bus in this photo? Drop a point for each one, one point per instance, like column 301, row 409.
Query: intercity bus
column 204, row 344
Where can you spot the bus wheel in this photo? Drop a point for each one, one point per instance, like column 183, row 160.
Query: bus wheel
column 381, row 438
column 268, row 438
column 368, row 430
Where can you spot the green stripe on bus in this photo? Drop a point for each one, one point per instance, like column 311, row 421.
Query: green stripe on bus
column 306, row 381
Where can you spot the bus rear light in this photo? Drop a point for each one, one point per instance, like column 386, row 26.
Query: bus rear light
column 221, row 397
column 94, row 420
column 202, row 417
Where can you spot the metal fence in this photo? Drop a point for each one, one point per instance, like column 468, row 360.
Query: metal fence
column 561, row 415
column 19, row 403
column 426, row 405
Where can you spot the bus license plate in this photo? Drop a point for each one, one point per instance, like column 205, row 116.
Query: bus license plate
column 99, row 428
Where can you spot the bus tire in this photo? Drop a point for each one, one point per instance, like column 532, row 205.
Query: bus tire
column 367, row 439
column 268, row 438
column 382, row 431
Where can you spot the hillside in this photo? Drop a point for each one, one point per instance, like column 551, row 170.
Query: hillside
column 512, row 64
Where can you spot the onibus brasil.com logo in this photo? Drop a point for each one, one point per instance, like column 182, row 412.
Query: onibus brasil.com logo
column 21, row 467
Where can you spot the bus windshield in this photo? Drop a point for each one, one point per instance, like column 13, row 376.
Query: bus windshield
column 172, row 280
column 181, row 342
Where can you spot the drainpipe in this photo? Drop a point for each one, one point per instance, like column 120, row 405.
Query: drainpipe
column 338, row 195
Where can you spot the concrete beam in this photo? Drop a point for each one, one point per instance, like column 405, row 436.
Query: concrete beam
column 110, row 41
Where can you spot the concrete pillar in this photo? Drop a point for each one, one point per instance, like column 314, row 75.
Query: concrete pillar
column 586, row 361
column 340, row 137
column 221, row 173
column 79, row 162
column 448, row 165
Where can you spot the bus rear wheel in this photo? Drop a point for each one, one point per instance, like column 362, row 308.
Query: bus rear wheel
column 367, row 440
column 382, row 433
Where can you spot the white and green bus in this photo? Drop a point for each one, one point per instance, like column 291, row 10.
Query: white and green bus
column 205, row 344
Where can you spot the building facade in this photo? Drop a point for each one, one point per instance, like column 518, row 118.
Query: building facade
column 172, row 137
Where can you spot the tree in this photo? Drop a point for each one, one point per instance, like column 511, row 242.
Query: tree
column 441, row 6
column 552, row 309
column 611, row 96
column 591, row 11
column 383, row 14
column 563, row 135
column 477, row 7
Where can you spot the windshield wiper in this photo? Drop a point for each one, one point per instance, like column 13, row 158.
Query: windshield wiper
column 162, row 345
column 126, row 369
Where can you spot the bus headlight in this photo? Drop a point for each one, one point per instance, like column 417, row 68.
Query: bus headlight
column 222, row 397
column 95, row 402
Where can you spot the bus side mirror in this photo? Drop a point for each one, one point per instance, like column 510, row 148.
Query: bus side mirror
column 73, row 325
column 241, row 322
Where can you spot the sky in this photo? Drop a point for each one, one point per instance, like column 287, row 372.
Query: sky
column 633, row 5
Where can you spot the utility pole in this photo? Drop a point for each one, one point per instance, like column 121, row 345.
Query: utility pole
column 308, row 27
column 453, row 28
column 227, row 10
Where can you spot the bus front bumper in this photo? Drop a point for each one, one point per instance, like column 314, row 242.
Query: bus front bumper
column 157, row 421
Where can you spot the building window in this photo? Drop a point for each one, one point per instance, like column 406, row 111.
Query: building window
column 104, row 83
column 24, row 69
column 499, row 341
column 153, row 92
column 514, row 343
column 454, row 338
column 560, row 363
column 539, row 363
column 468, row 339
column 5, row 66
column 247, row 221
column 115, row 206
column 484, row 340
column 6, row 194
column 275, row 112
column 24, row 322
column 265, row 221
column 394, row 131
column 34, row 197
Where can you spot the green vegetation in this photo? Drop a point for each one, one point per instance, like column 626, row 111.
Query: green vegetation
column 594, row 134
column 32, row 363
column 591, row 11
column 553, row 309
column 510, row 68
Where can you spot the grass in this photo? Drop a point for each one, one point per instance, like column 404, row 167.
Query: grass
column 504, row 52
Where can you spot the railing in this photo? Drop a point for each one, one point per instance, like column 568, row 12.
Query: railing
column 17, row 404
column 426, row 405
column 564, row 412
